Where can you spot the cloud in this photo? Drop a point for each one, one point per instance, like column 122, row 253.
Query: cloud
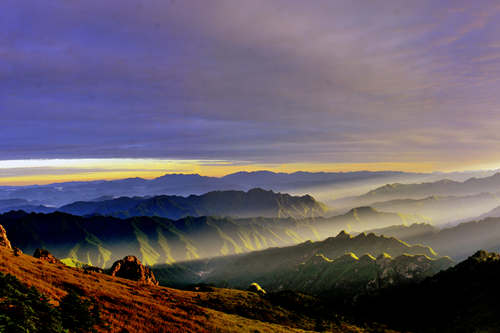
column 262, row 81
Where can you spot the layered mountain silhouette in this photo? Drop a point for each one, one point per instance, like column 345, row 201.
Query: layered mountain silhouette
column 444, row 187
column 99, row 240
column 405, row 232
column 59, row 194
column 255, row 202
column 443, row 209
column 7, row 205
column 341, row 264
column 457, row 242
column 364, row 218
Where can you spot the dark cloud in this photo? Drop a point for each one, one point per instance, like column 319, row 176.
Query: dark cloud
column 264, row 81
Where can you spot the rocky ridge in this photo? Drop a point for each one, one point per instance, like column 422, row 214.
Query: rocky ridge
column 4, row 241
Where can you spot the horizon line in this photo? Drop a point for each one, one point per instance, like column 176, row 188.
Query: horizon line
column 39, row 172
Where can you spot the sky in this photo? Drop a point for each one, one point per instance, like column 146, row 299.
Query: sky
column 154, row 86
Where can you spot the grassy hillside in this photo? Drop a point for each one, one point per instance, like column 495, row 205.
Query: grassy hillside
column 127, row 305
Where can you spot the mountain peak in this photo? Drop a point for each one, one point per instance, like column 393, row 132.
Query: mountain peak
column 483, row 255
column 361, row 235
column 343, row 235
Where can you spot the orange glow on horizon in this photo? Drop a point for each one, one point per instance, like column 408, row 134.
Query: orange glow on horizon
column 108, row 169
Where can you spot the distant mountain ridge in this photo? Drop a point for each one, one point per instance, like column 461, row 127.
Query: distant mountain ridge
column 458, row 242
column 495, row 212
column 444, row 187
column 255, row 202
column 442, row 209
column 59, row 194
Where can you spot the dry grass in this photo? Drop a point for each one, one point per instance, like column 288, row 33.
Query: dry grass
column 129, row 306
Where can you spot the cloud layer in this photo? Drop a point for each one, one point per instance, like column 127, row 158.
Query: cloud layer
column 262, row 81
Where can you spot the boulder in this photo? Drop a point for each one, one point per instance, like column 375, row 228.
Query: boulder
column 45, row 255
column 132, row 269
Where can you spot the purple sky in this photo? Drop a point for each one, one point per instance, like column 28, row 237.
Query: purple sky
column 263, row 81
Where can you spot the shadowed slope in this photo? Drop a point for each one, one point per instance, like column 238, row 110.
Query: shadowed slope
column 463, row 298
column 333, row 265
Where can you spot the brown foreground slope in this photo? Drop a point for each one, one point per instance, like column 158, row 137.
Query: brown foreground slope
column 127, row 306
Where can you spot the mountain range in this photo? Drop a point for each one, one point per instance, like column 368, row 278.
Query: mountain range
column 441, row 210
column 323, row 185
column 98, row 240
column 255, row 202
column 30, row 289
column 341, row 264
column 462, row 298
column 457, row 242
column 444, row 187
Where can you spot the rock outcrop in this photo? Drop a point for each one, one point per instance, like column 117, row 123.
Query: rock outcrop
column 406, row 268
column 45, row 255
column 132, row 269
column 484, row 256
column 4, row 241
column 17, row 251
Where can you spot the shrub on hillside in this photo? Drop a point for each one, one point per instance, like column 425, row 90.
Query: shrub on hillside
column 24, row 309
column 79, row 314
